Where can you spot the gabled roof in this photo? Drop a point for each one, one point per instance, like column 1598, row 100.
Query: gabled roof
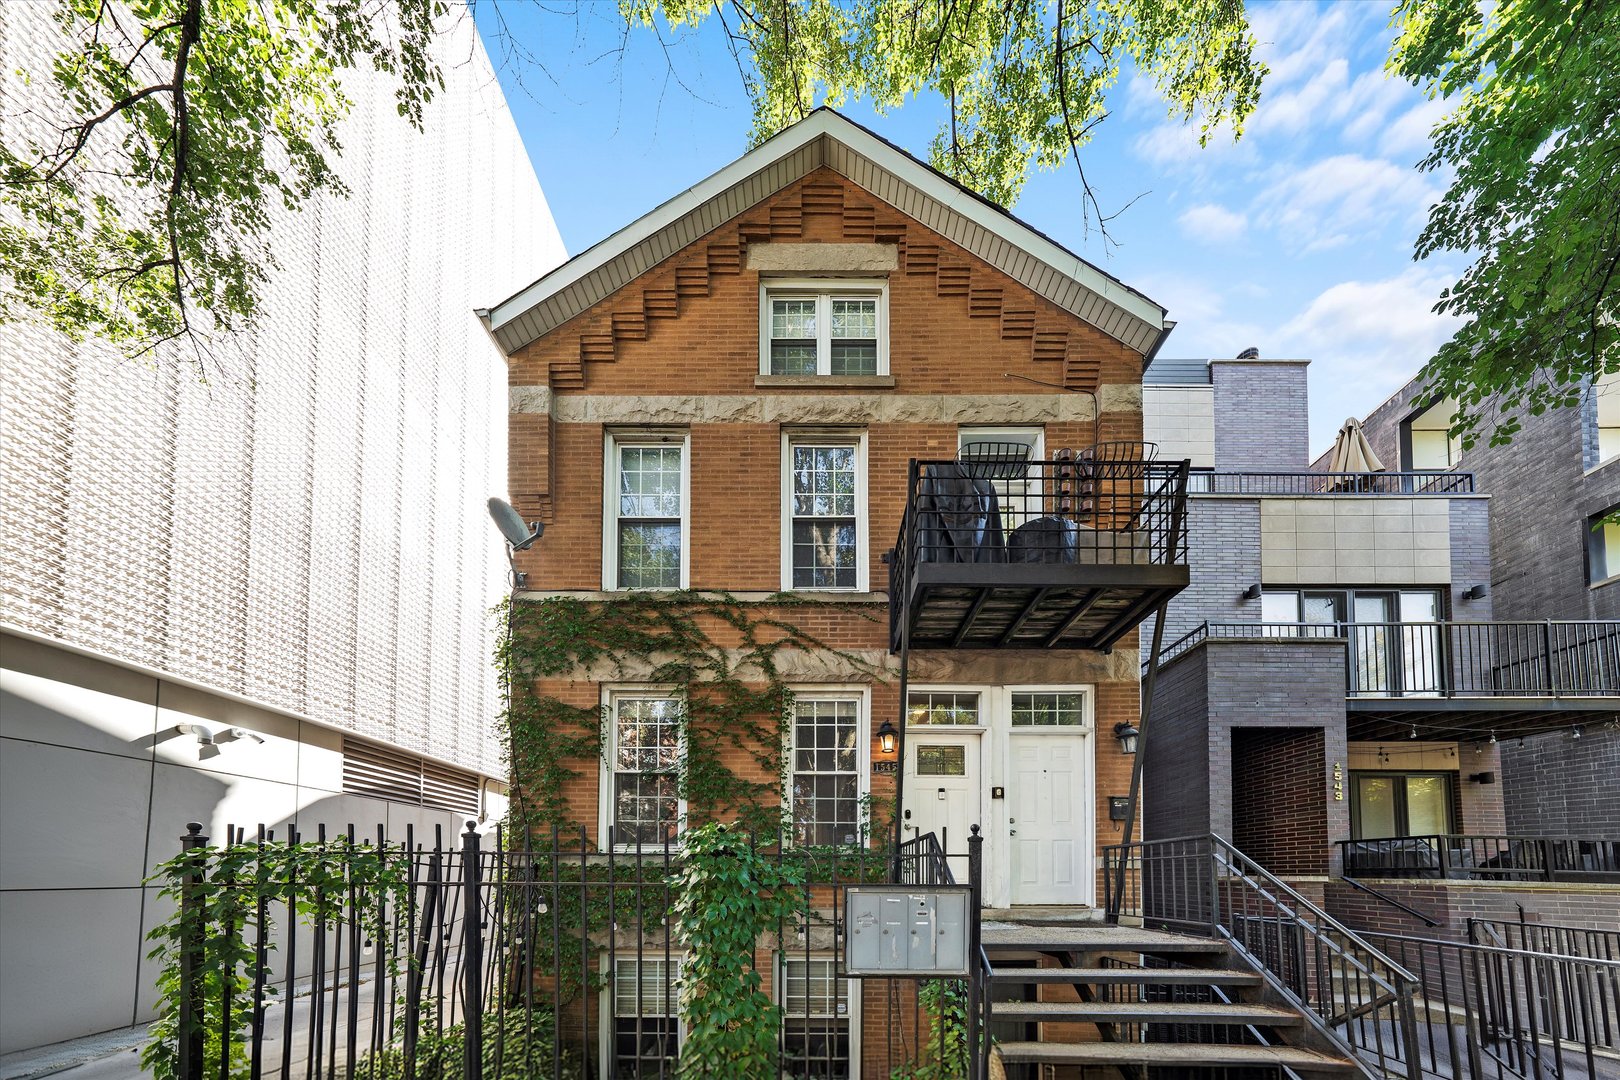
column 828, row 138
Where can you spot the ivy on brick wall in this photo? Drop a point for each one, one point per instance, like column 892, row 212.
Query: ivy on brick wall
column 737, row 704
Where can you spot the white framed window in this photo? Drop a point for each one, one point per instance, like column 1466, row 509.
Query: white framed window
column 1603, row 547
column 820, row 1028
column 824, row 542
column 827, row 752
column 647, row 501
column 1001, row 455
column 641, row 1021
column 943, row 708
column 824, row 327
column 1067, row 711
column 641, row 781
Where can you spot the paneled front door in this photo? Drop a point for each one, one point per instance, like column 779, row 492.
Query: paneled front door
column 1049, row 832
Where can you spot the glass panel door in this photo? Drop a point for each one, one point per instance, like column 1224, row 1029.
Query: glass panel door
column 1375, row 811
column 1371, row 643
column 1428, row 805
column 1422, row 661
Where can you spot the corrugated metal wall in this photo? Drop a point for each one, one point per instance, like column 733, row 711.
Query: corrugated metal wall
column 308, row 528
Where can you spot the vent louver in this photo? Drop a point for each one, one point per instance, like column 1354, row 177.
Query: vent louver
column 382, row 772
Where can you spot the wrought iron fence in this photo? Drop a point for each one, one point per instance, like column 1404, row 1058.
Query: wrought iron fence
column 1302, row 482
column 1484, row 858
column 1584, row 941
column 1353, row 994
column 1487, row 1012
column 483, row 960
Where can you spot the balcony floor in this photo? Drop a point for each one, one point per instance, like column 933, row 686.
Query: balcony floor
column 1383, row 719
column 1030, row 606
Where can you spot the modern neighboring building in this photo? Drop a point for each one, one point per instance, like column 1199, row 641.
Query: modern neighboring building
column 264, row 600
column 1555, row 554
column 1349, row 675
column 755, row 390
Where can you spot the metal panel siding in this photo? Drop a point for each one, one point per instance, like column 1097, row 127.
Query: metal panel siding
column 299, row 530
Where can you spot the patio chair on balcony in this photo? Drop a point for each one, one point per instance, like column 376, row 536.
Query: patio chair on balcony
column 958, row 517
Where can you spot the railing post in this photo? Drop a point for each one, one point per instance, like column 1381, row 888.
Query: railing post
column 976, row 988
column 190, row 1029
column 1214, row 888
column 1547, row 656
column 472, row 956
column 1546, row 845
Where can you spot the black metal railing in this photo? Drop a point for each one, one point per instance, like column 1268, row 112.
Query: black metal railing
column 1488, row 1012
column 1585, row 941
column 1119, row 513
column 1484, row 858
column 1352, row 993
column 487, row 961
column 1304, row 482
column 1564, row 658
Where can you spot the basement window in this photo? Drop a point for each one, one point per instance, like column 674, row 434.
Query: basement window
column 824, row 328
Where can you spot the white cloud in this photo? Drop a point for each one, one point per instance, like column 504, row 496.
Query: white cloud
column 1366, row 339
column 1371, row 98
column 1212, row 224
column 1206, row 322
column 1410, row 131
column 1334, row 201
column 1297, row 40
column 1293, row 110
column 1174, row 145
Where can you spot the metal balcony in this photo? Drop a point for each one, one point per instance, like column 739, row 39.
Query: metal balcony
column 1035, row 554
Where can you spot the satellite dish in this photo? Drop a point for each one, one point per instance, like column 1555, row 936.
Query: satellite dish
column 519, row 533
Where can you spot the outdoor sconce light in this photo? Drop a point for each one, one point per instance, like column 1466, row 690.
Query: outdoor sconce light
column 1127, row 734
column 887, row 738
column 1252, row 592
column 1477, row 592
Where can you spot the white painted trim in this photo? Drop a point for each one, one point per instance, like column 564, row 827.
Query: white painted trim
column 609, row 694
column 823, row 291
column 852, row 992
column 810, row 436
column 831, row 125
column 612, row 441
column 861, row 694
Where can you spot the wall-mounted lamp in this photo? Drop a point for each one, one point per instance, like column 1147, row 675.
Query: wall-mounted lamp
column 888, row 738
column 1127, row 734
column 1482, row 778
column 1252, row 592
column 1477, row 592
column 210, row 736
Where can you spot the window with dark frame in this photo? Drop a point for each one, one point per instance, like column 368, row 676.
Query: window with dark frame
column 1603, row 547
column 1386, row 805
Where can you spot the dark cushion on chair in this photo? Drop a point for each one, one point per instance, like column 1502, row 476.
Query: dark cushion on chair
column 1042, row 540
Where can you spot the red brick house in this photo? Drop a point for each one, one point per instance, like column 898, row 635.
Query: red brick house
column 731, row 395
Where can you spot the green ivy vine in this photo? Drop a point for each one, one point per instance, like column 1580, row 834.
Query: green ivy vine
column 943, row 1054
column 738, row 706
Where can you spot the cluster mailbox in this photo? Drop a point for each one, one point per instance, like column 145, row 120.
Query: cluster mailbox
column 903, row 931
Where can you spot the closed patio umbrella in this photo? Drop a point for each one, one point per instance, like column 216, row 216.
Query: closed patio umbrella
column 1351, row 451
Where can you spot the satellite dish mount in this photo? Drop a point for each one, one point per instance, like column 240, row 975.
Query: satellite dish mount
column 520, row 535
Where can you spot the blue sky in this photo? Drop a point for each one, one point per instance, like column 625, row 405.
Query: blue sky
column 1296, row 239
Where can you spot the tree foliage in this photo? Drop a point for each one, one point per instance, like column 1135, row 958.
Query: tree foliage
column 1024, row 80
column 139, row 207
column 1534, row 140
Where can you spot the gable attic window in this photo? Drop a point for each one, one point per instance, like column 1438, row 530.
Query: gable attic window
column 827, row 327
column 1425, row 442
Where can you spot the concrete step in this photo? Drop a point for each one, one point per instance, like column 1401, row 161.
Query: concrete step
column 1173, row 1054
column 1095, row 976
column 1144, row 1012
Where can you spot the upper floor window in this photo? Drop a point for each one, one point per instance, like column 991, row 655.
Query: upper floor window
column 1606, row 391
column 645, row 538
column 1426, row 439
column 824, row 328
column 824, row 533
column 1603, row 546
column 824, row 783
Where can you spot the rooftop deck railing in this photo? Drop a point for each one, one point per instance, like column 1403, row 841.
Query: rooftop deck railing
column 1305, row 482
column 1548, row 659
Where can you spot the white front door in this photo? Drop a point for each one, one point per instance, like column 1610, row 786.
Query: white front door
column 942, row 791
column 1049, row 833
